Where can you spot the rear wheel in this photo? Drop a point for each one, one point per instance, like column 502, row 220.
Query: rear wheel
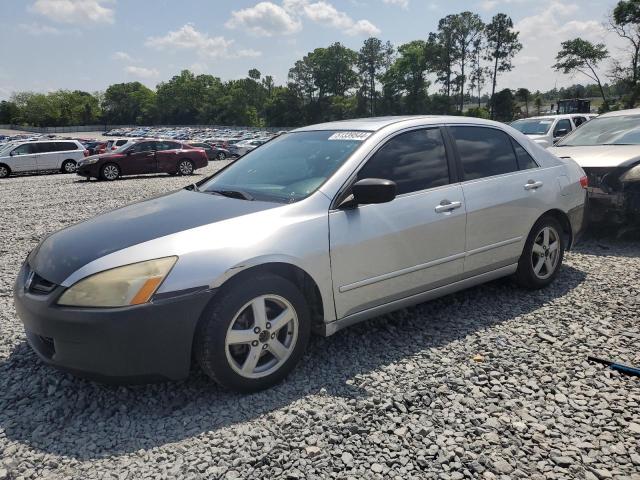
column 253, row 334
column 542, row 255
column 185, row 167
column 110, row 172
column 5, row 171
column 68, row 166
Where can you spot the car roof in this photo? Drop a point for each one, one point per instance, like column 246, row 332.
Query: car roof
column 553, row 117
column 374, row 124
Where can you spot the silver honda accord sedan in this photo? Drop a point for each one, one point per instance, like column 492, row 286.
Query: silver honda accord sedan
column 313, row 231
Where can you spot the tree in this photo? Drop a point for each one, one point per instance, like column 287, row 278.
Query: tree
column 502, row 45
column 372, row 60
column 129, row 103
column 625, row 22
column 523, row 95
column 467, row 30
column 406, row 76
column 537, row 102
column 254, row 74
column 582, row 56
column 503, row 105
column 8, row 112
column 478, row 70
column 441, row 53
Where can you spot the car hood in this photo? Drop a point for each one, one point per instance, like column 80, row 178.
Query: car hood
column 600, row 156
column 63, row 252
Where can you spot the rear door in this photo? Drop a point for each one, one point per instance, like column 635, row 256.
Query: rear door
column 385, row 252
column 23, row 158
column 167, row 154
column 505, row 192
column 49, row 155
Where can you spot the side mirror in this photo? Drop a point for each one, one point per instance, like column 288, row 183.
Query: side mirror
column 11, row 154
column 560, row 133
column 372, row 190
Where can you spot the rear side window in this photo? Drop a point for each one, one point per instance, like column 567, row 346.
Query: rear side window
column 62, row 146
column 43, row 147
column 415, row 160
column 119, row 143
column 484, row 152
column 525, row 161
column 579, row 121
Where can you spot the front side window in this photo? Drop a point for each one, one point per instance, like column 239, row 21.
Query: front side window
column 484, row 152
column 142, row 147
column 288, row 168
column 562, row 128
column 415, row 161
column 25, row 149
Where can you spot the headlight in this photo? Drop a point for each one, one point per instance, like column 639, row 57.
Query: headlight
column 89, row 161
column 631, row 175
column 119, row 287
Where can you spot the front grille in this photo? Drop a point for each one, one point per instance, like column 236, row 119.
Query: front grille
column 38, row 285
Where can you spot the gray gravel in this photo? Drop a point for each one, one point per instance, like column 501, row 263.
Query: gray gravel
column 490, row 383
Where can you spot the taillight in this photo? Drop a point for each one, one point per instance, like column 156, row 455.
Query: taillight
column 86, row 153
column 113, row 148
column 584, row 181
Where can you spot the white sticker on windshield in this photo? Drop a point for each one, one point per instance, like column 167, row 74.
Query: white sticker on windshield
column 546, row 122
column 350, row 136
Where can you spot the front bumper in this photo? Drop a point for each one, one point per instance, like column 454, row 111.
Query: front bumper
column 87, row 170
column 134, row 344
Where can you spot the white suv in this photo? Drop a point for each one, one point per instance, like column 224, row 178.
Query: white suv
column 52, row 155
column 545, row 131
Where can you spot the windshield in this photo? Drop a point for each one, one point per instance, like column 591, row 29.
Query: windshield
column 288, row 168
column 617, row 130
column 533, row 127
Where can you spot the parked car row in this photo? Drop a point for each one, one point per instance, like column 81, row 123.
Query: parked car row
column 549, row 129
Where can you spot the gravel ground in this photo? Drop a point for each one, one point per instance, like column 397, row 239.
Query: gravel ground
column 488, row 383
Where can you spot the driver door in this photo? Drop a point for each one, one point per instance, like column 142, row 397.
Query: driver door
column 23, row 158
column 140, row 159
column 386, row 252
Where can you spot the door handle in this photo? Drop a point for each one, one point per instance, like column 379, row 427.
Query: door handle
column 447, row 206
column 533, row 185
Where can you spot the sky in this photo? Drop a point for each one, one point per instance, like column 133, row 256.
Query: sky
column 90, row 44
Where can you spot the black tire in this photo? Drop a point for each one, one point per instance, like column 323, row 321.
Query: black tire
column 68, row 166
column 185, row 167
column 221, row 156
column 526, row 275
column 106, row 169
column 210, row 349
column 5, row 171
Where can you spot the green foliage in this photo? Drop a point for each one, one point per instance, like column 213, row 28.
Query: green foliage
column 503, row 105
column 129, row 103
column 478, row 112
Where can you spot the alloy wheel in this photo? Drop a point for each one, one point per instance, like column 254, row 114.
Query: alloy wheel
column 545, row 253
column 185, row 167
column 221, row 156
column 110, row 172
column 262, row 336
column 69, row 167
column 4, row 172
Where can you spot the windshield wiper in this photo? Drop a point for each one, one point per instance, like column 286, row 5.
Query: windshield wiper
column 239, row 194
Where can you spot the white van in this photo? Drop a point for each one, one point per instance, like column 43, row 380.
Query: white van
column 52, row 155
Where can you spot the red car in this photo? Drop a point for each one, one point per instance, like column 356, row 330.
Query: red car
column 144, row 156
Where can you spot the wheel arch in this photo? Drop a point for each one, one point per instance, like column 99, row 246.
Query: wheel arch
column 309, row 287
column 7, row 167
column 564, row 221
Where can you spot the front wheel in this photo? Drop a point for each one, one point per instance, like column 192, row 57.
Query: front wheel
column 221, row 156
column 254, row 333
column 110, row 172
column 542, row 255
column 5, row 171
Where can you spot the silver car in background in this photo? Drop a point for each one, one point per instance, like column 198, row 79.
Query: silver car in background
column 315, row 230
column 608, row 149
